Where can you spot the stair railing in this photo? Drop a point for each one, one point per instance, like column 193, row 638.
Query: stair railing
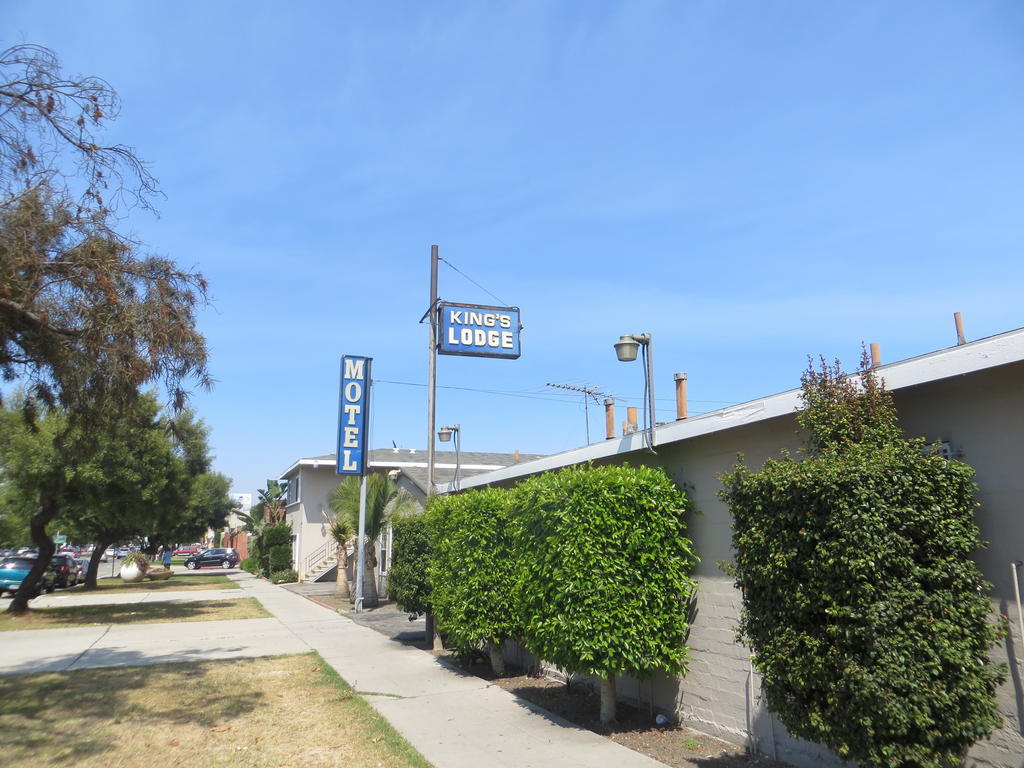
column 318, row 557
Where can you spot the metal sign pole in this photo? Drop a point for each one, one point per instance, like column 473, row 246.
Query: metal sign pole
column 432, row 371
column 361, row 546
column 354, row 444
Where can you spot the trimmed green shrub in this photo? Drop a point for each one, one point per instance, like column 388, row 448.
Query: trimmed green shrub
column 861, row 601
column 285, row 576
column 474, row 570
column 275, row 552
column 606, row 572
column 408, row 583
column 250, row 564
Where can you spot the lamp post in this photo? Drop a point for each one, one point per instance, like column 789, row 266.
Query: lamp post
column 626, row 349
column 445, row 435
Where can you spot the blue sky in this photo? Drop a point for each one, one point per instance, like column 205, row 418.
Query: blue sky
column 748, row 182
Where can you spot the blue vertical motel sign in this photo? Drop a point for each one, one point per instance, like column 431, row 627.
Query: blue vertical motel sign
column 354, row 415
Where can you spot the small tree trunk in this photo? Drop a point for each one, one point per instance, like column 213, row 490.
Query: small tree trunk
column 341, row 584
column 370, row 597
column 431, row 635
column 608, row 700
column 494, row 650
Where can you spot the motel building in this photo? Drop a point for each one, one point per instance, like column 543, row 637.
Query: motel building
column 967, row 399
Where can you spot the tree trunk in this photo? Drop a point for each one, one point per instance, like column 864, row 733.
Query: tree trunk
column 428, row 631
column 494, row 650
column 431, row 635
column 37, row 526
column 370, row 597
column 341, row 584
column 608, row 700
column 94, row 563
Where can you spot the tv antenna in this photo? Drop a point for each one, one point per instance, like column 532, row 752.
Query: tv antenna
column 587, row 392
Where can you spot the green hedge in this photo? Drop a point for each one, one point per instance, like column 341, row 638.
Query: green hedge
column 606, row 570
column 862, row 603
column 275, row 552
column 474, row 569
column 408, row 582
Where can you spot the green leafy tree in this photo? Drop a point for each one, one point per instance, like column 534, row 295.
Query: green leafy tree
column 862, row 605
column 606, row 572
column 474, row 570
column 408, row 582
column 383, row 497
column 86, row 320
column 276, row 551
column 127, row 484
column 134, row 483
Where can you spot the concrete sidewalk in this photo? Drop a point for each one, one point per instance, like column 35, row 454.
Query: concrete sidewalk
column 454, row 719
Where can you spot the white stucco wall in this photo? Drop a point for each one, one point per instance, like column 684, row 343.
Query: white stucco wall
column 310, row 517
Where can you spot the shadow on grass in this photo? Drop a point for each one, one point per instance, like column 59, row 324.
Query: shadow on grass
column 38, row 708
column 134, row 613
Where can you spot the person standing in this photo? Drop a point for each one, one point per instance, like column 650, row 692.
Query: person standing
column 167, row 557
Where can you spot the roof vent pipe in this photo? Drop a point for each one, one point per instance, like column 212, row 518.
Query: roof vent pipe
column 680, row 379
column 631, row 422
column 961, row 338
column 609, row 418
column 876, row 355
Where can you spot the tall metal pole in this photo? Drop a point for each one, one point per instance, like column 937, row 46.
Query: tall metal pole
column 650, row 390
column 432, row 371
column 361, row 546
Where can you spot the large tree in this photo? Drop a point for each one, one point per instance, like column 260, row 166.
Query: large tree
column 85, row 318
column 137, row 481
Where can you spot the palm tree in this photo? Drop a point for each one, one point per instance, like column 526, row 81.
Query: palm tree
column 383, row 496
column 342, row 532
column 271, row 506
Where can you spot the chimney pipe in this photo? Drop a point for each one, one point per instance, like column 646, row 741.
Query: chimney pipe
column 609, row 418
column 876, row 355
column 633, row 426
column 680, row 396
column 515, row 456
column 960, row 337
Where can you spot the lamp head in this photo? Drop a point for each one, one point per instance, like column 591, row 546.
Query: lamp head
column 626, row 348
column 444, row 434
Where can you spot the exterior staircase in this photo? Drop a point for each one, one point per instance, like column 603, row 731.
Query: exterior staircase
column 321, row 565
column 328, row 571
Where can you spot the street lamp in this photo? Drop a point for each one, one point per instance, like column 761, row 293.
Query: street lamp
column 445, row 435
column 626, row 349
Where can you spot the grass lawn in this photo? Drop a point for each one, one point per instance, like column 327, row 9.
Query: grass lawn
column 139, row 613
column 177, row 583
column 278, row 712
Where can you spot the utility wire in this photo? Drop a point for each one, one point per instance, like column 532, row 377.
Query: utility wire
column 474, row 282
column 554, row 397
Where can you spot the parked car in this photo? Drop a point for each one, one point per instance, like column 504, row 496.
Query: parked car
column 188, row 549
column 13, row 571
column 225, row 558
column 83, row 565
column 66, row 569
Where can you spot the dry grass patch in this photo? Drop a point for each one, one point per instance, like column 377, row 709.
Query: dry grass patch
column 137, row 613
column 177, row 583
column 279, row 712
